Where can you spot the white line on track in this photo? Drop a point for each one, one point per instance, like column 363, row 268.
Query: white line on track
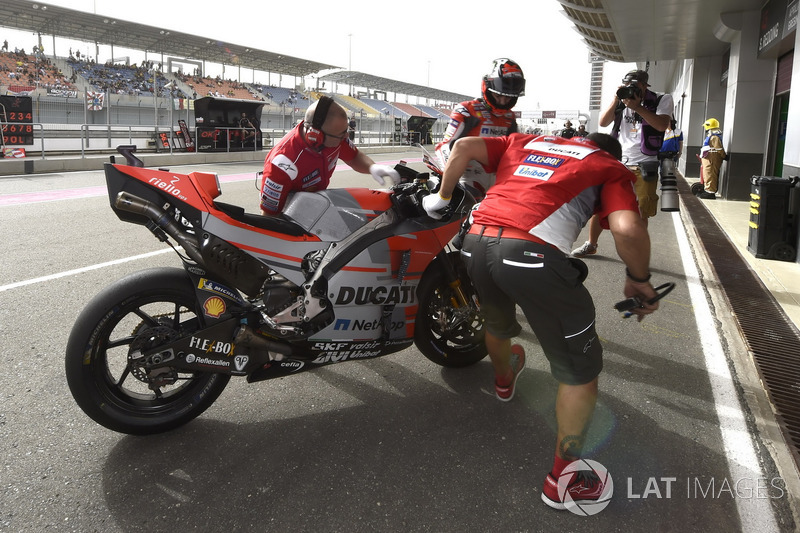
column 81, row 270
column 755, row 513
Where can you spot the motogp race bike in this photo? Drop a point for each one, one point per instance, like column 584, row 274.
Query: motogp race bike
column 345, row 274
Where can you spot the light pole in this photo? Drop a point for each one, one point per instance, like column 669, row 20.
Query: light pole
column 427, row 100
column 350, row 58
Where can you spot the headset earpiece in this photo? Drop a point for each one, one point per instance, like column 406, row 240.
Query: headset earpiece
column 314, row 135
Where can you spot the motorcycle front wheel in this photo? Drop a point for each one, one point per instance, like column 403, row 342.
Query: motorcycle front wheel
column 103, row 358
column 449, row 334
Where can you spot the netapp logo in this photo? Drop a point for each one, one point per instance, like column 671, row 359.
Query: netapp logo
column 344, row 324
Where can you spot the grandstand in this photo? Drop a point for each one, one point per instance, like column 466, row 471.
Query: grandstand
column 355, row 106
column 141, row 100
column 385, row 108
column 122, row 79
column 25, row 73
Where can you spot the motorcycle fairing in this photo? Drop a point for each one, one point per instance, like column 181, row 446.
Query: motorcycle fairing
column 190, row 194
column 371, row 299
column 334, row 214
column 218, row 301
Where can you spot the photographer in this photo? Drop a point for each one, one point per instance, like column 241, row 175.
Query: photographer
column 640, row 118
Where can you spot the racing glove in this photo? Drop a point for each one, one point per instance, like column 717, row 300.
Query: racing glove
column 433, row 203
column 380, row 172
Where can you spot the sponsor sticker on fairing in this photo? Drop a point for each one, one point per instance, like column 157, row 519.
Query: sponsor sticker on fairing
column 212, row 286
column 214, row 307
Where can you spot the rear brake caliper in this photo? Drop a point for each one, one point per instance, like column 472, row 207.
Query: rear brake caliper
column 141, row 366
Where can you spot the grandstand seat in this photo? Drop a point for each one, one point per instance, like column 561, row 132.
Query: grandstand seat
column 385, row 108
column 29, row 72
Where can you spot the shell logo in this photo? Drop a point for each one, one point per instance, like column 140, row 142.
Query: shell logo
column 214, row 306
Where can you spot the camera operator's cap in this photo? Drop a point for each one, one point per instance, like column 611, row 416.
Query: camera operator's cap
column 638, row 75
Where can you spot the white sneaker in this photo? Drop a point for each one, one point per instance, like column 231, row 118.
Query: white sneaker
column 585, row 249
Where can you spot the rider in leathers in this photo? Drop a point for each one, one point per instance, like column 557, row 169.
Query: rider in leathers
column 488, row 116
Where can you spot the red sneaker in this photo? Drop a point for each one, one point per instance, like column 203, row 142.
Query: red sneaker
column 504, row 393
column 583, row 492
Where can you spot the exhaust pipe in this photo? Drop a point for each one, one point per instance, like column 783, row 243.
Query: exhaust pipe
column 139, row 206
column 245, row 336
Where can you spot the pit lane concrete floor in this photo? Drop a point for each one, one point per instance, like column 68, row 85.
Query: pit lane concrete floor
column 394, row 444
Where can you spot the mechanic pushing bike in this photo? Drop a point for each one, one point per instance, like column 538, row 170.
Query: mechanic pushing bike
column 516, row 253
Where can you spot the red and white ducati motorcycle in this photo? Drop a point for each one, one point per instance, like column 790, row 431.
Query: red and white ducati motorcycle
column 346, row 274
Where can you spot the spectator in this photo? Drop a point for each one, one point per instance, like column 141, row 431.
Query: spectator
column 306, row 156
column 489, row 115
column 351, row 128
column 640, row 118
column 711, row 156
column 581, row 131
column 248, row 129
column 568, row 132
column 515, row 254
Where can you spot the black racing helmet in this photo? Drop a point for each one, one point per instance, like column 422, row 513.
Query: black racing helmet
column 505, row 79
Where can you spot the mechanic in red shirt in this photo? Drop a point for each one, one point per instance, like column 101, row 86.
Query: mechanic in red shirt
column 517, row 254
column 305, row 158
column 487, row 116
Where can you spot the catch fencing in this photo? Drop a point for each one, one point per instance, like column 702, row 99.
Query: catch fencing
column 65, row 124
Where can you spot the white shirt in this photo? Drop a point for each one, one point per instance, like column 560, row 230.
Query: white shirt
column 630, row 131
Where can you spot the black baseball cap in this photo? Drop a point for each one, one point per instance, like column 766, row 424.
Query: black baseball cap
column 638, row 75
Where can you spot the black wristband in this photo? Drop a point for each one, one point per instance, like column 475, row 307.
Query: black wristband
column 637, row 280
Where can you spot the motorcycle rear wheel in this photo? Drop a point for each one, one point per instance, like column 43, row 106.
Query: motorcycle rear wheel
column 449, row 336
column 138, row 312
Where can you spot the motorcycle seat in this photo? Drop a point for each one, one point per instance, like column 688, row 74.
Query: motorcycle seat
column 276, row 224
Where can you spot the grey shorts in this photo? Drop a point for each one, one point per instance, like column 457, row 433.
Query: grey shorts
column 549, row 289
